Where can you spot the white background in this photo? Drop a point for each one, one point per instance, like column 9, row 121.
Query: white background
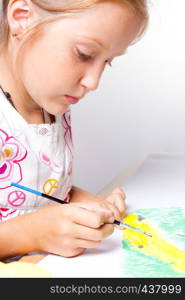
column 140, row 104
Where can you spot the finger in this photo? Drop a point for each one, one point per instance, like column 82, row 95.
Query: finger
column 93, row 244
column 107, row 229
column 82, row 232
column 115, row 210
column 87, row 244
column 96, row 206
column 70, row 252
column 118, row 202
column 89, row 218
column 104, row 207
column 117, row 197
column 81, row 243
column 119, row 191
column 119, row 227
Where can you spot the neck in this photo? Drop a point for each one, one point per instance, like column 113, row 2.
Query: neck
column 23, row 103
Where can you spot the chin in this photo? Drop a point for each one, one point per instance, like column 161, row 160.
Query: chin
column 58, row 111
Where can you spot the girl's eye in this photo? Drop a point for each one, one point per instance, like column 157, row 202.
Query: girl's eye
column 84, row 57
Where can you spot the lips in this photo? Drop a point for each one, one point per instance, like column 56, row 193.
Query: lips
column 71, row 99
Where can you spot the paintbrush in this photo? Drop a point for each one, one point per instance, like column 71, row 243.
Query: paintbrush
column 125, row 225
column 131, row 227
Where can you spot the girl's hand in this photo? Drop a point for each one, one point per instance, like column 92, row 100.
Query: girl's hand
column 115, row 203
column 67, row 230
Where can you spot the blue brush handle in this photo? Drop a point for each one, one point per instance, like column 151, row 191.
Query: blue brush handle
column 64, row 202
column 26, row 189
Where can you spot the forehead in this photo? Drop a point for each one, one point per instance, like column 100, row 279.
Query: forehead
column 110, row 25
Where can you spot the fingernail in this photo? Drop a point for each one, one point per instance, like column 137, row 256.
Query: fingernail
column 111, row 219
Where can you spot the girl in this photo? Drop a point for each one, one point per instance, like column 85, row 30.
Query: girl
column 52, row 54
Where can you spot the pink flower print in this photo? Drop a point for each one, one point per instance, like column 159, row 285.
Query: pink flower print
column 5, row 212
column 11, row 153
column 70, row 168
column 66, row 122
column 51, row 163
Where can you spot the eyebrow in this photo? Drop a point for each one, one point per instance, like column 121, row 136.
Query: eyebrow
column 101, row 44
column 98, row 42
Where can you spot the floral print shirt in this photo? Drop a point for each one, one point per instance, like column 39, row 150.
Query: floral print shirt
column 38, row 156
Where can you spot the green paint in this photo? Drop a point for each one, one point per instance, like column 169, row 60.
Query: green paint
column 136, row 264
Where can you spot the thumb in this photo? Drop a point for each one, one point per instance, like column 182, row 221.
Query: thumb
column 117, row 197
column 119, row 191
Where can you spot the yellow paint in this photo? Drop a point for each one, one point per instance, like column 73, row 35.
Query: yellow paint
column 156, row 246
column 22, row 269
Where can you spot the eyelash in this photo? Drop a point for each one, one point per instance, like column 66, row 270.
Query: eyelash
column 85, row 57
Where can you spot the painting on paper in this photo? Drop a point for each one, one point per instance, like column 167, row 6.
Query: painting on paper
column 163, row 254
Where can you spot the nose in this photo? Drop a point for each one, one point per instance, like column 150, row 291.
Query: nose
column 91, row 79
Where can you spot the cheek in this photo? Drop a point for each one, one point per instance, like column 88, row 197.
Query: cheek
column 49, row 73
column 41, row 74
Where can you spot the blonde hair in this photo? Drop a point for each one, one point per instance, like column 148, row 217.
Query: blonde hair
column 55, row 9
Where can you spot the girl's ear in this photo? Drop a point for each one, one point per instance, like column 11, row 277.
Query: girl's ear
column 20, row 15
